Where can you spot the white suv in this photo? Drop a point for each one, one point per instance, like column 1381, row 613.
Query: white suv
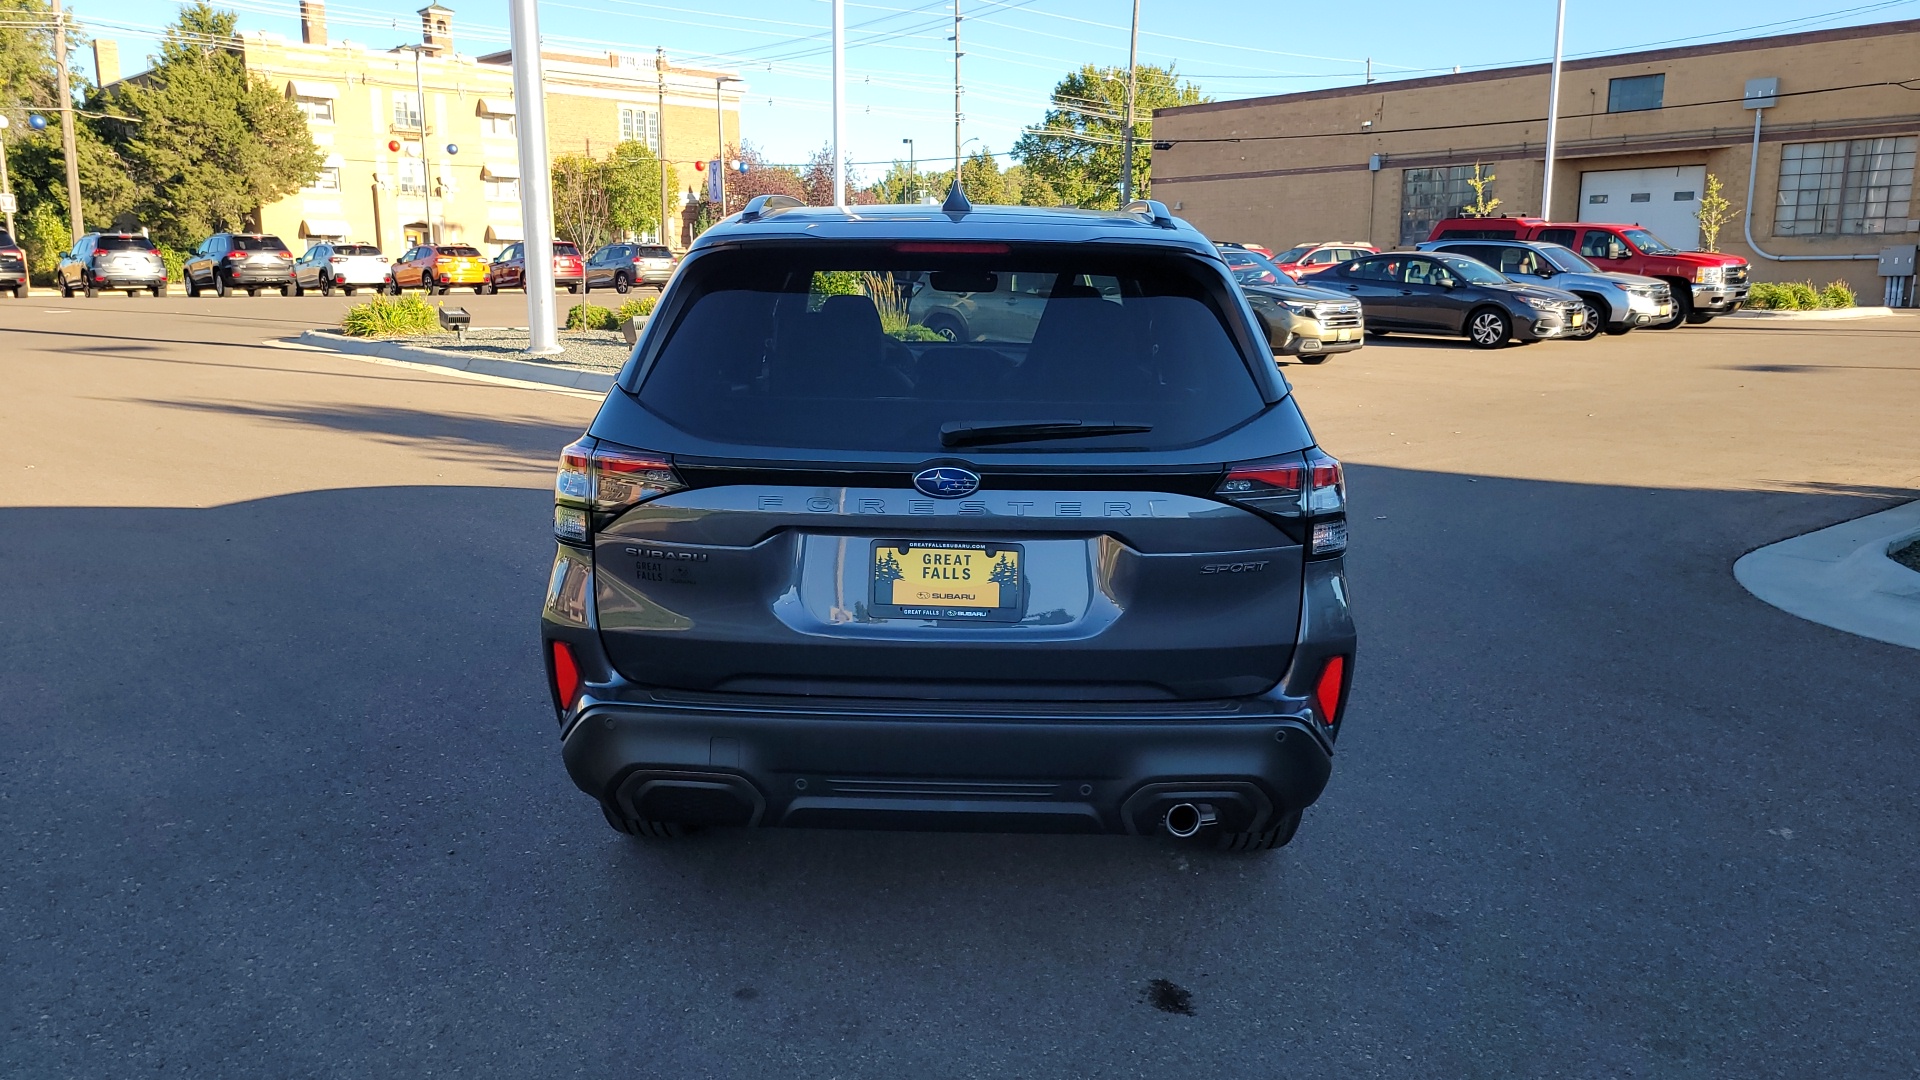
column 344, row 266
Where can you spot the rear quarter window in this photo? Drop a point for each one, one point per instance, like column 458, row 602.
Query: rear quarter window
column 863, row 348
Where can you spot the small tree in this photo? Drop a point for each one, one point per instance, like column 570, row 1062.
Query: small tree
column 1714, row 213
column 1481, row 205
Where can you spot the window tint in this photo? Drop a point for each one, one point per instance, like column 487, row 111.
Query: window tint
column 1292, row 254
column 1563, row 237
column 1375, row 269
column 1347, row 254
column 1635, row 94
column 6, row 238
column 258, row 243
column 124, row 243
column 655, row 253
column 355, row 249
column 1648, row 243
column 1425, row 272
column 1565, row 259
column 1322, row 257
column 1596, row 244
column 460, row 251
column 843, row 349
column 560, row 247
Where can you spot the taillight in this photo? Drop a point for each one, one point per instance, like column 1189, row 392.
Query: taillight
column 286, row 254
column 566, row 676
column 600, row 480
column 1326, row 691
column 338, row 260
column 1310, row 486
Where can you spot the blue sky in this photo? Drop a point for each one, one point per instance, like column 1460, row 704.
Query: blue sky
column 900, row 61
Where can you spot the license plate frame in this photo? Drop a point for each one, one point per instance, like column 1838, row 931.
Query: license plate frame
column 959, row 603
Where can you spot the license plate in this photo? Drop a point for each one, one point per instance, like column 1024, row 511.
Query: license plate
column 1579, row 318
column 1663, row 310
column 937, row 579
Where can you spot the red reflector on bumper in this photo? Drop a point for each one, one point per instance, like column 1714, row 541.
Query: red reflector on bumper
column 566, row 675
column 1326, row 692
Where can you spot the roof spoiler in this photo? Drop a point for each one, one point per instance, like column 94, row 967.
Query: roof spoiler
column 1152, row 210
column 761, row 205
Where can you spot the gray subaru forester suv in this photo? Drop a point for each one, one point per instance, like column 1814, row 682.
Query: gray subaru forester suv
column 820, row 565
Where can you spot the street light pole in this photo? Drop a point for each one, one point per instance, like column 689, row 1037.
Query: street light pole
column 957, row 54
column 839, row 101
column 906, row 195
column 660, row 123
column 720, row 139
column 67, row 147
column 1553, row 111
column 1126, row 147
column 426, row 168
column 536, row 193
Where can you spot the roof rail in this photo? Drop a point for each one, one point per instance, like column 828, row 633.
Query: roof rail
column 761, row 205
column 1154, row 211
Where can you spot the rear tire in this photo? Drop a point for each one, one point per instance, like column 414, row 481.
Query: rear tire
column 159, row 290
column 254, row 291
column 947, row 327
column 287, row 289
column 621, row 285
column 573, row 288
column 1267, row 840
column 326, row 287
column 1489, row 328
column 642, row 827
column 93, row 293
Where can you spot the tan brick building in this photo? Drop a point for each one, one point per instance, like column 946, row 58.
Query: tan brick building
column 1638, row 134
column 361, row 102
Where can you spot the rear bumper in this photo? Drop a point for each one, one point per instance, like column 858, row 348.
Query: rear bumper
column 819, row 768
column 124, row 279
column 259, row 275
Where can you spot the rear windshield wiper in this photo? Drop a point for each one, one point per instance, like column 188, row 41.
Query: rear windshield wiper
column 982, row 432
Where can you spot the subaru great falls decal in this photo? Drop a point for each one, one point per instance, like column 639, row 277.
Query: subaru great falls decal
column 946, row 482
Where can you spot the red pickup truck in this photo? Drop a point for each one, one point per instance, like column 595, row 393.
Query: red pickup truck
column 1705, row 283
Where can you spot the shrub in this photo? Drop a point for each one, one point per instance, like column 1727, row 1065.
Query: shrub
column 1766, row 296
column 1837, row 294
column 391, row 316
column 175, row 261
column 917, row 332
column 632, row 309
column 590, row 317
column 1804, row 298
column 1789, row 296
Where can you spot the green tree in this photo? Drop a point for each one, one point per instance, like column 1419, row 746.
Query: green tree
column 632, row 178
column 39, row 174
column 1481, row 206
column 207, row 143
column 1075, row 150
column 1714, row 213
column 581, row 212
column 27, row 74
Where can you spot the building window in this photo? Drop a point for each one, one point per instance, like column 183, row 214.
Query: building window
column 406, row 111
column 413, row 177
column 1850, row 186
column 641, row 125
column 1431, row 195
column 1636, row 94
column 500, row 190
column 319, row 110
column 327, row 179
column 500, row 126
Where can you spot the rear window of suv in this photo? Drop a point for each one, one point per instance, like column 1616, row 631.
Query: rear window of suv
column 355, row 249
column 123, row 243
column 258, row 243
column 872, row 348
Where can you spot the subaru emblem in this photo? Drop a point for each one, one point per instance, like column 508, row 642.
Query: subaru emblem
column 946, row 482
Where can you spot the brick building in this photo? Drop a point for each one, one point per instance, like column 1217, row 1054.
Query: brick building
column 1638, row 134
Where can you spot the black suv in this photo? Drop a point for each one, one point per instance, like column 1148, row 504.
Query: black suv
column 13, row 267
column 250, row 261
column 820, row 566
column 111, row 261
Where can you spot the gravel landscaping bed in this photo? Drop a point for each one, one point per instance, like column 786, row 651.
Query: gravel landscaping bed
column 590, row 350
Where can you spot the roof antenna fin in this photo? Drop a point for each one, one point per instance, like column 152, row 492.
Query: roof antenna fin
column 956, row 200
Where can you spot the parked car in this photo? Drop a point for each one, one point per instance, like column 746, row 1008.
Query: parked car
column 348, row 267
column 1300, row 321
column 1615, row 303
column 623, row 265
column 1432, row 293
column 1300, row 260
column 251, row 261
column 111, row 261
column 13, row 266
column 1085, row 574
column 439, row 268
column 509, row 268
column 1258, row 249
column 998, row 305
column 1704, row 283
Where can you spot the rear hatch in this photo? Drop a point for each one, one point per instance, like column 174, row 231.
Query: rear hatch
column 798, row 491
column 262, row 253
column 126, row 257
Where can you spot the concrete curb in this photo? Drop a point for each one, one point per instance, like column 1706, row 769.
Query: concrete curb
column 523, row 370
column 1841, row 576
column 1818, row 314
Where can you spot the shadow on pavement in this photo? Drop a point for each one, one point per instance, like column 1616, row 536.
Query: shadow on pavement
column 450, row 436
column 284, row 797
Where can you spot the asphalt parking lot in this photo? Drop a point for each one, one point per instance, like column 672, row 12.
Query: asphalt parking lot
column 283, row 794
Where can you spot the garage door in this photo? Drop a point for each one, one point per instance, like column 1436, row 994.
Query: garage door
column 1663, row 201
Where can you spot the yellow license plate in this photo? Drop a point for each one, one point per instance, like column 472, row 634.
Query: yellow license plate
column 1579, row 318
column 937, row 579
column 1663, row 311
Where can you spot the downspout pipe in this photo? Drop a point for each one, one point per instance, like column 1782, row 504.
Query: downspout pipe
column 1753, row 172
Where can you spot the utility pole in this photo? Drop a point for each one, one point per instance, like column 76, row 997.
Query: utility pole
column 6, row 184
column 839, row 101
column 1553, row 111
column 957, row 54
column 906, row 195
column 720, row 140
column 1126, row 148
column 426, row 168
column 67, row 147
column 536, row 179
column 1369, row 69
column 660, row 122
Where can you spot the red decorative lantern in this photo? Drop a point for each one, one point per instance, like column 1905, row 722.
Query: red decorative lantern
column 699, row 166
column 393, row 145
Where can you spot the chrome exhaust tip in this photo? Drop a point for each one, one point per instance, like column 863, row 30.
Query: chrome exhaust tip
column 1185, row 819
